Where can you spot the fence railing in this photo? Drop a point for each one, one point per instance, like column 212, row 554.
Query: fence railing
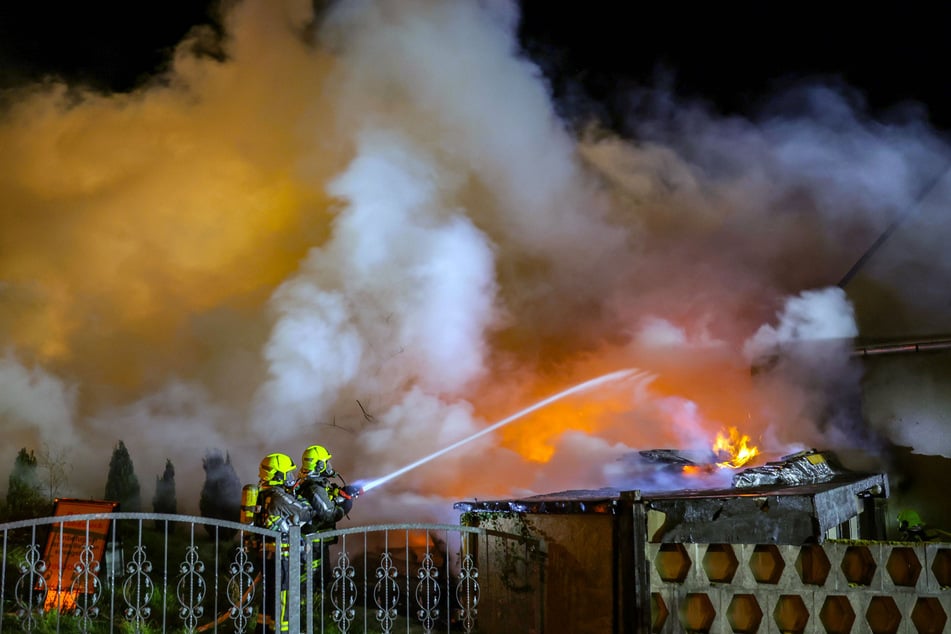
column 143, row 572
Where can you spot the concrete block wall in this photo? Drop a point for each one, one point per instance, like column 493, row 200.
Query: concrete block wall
column 837, row 587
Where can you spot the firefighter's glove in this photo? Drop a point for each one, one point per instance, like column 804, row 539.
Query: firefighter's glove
column 346, row 495
column 352, row 491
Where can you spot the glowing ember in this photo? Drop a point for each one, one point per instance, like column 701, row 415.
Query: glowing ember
column 694, row 470
column 735, row 447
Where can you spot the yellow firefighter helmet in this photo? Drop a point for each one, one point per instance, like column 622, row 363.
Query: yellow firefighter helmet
column 277, row 469
column 909, row 521
column 316, row 459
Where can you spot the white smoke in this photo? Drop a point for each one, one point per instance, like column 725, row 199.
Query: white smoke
column 824, row 317
column 36, row 407
column 402, row 294
column 809, row 350
column 182, row 411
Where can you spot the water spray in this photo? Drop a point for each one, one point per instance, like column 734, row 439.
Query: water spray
column 613, row 376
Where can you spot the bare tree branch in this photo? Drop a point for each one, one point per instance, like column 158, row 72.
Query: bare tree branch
column 334, row 424
column 366, row 414
column 55, row 467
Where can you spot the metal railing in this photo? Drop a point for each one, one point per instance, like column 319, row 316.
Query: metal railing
column 178, row 573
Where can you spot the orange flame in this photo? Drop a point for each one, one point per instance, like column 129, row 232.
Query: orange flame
column 693, row 470
column 420, row 541
column 735, row 447
column 536, row 442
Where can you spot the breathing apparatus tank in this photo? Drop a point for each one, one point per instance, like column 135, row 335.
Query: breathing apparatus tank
column 249, row 503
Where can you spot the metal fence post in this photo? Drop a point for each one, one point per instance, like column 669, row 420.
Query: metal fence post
column 635, row 542
column 293, row 578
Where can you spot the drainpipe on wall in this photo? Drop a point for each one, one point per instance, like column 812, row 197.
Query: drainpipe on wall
column 902, row 347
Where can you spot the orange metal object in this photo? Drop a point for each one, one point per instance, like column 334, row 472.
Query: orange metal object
column 64, row 548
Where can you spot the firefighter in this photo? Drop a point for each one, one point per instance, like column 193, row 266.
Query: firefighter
column 914, row 530
column 910, row 526
column 318, row 485
column 279, row 510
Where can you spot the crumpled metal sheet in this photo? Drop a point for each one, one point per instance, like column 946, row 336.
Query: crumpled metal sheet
column 675, row 457
column 806, row 467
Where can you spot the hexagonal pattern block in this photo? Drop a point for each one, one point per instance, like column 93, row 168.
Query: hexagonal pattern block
column 837, row 615
column 813, row 565
column 903, row 566
column 928, row 616
column 672, row 562
column 941, row 567
column 659, row 612
column 858, row 565
column 744, row 614
column 883, row 615
column 791, row 615
column 720, row 563
column 697, row 612
column 766, row 564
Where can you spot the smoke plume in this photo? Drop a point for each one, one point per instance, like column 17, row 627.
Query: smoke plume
column 371, row 229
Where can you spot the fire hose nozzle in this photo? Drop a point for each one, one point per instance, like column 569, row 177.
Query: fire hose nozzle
column 351, row 491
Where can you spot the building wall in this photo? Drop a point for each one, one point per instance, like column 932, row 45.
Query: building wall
column 905, row 399
column 604, row 575
column 580, row 577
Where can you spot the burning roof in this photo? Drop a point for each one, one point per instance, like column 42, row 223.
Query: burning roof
column 795, row 500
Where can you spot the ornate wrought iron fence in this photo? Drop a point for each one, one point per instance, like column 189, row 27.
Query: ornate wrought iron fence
column 178, row 573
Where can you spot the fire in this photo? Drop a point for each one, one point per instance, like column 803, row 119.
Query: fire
column 420, row 541
column 736, row 446
column 535, row 438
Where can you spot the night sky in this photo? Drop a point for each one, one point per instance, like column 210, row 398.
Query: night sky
column 109, row 45
column 734, row 59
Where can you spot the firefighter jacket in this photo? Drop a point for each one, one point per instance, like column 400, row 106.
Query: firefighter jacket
column 318, row 492
column 280, row 509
